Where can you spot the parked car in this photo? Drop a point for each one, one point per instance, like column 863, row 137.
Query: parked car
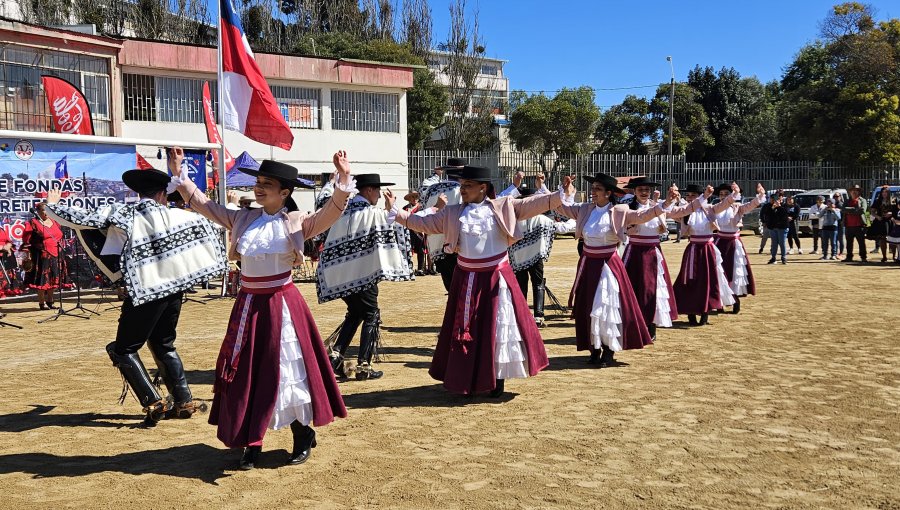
column 808, row 199
column 894, row 189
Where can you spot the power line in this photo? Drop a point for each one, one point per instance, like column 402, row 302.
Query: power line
column 595, row 89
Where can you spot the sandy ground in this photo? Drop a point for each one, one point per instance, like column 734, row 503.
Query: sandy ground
column 791, row 404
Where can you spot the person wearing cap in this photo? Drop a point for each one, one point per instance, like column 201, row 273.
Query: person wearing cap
column 814, row 211
column 442, row 183
column 702, row 285
column 608, row 317
column 728, row 240
column 362, row 249
column 159, row 253
column 487, row 335
column 272, row 370
column 854, row 217
column 829, row 221
column 644, row 261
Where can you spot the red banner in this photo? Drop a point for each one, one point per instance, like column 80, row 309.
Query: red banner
column 213, row 136
column 143, row 164
column 68, row 107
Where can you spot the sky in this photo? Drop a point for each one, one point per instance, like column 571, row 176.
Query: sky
column 606, row 44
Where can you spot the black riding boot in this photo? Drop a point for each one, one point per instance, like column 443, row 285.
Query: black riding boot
column 595, row 355
column 606, row 359
column 138, row 379
column 348, row 330
column 736, row 309
column 539, row 303
column 304, row 442
column 171, row 371
column 498, row 389
column 692, row 320
column 368, row 345
column 250, row 457
column 704, row 319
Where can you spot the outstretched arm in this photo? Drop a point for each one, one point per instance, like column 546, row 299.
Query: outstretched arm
column 194, row 198
column 324, row 218
column 75, row 217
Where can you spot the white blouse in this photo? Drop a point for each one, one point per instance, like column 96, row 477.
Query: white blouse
column 598, row 229
column 479, row 236
column 651, row 228
column 264, row 247
column 700, row 223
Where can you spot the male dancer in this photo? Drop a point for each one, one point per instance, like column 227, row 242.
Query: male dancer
column 163, row 253
column 444, row 263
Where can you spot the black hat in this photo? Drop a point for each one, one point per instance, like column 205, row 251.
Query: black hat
column 454, row 164
column 277, row 170
column 694, row 188
column 373, row 180
column 475, row 173
column 609, row 182
column 641, row 181
column 526, row 191
column 174, row 197
column 725, row 186
column 146, row 181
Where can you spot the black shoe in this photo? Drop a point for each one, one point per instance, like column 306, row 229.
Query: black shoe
column 736, row 309
column 250, row 457
column 155, row 413
column 50, row 305
column 771, row 261
column 692, row 320
column 651, row 328
column 304, row 442
column 337, row 364
column 43, row 306
column 606, row 359
column 364, row 371
column 783, row 261
column 704, row 319
column 595, row 355
column 498, row 389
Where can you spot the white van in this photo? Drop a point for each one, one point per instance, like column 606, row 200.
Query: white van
column 807, row 199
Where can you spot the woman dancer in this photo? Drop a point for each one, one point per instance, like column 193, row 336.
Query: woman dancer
column 40, row 243
column 645, row 264
column 273, row 369
column 488, row 335
column 607, row 314
column 735, row 262
column 702, row 285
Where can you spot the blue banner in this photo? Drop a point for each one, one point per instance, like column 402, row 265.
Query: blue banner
column 195, row 165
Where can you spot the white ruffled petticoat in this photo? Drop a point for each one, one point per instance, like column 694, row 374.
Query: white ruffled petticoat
column 606, row 313
column 294, row 401
column 509, row 349
column 725, row 291
column 662, row 318
column 741, row 279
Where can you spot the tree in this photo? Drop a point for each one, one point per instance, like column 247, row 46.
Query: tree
column 690, row 133
column 549, row 127
column 626, row 127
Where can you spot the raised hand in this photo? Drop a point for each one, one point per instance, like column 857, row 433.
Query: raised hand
column 656, row 195
column 175, row 156
column 342, row 165
column 53, row 196
column 389, row 199
column 232, row 197
column 567, row 184
column 708, row 192
column 539, row 180
column 735, row 188
column 442, row 201
column 673, row 195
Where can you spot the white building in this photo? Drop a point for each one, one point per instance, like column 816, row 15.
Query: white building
column 490, row 82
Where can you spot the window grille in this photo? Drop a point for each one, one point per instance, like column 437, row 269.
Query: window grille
column 301, row 107
column 365, row 111
column 165, row 98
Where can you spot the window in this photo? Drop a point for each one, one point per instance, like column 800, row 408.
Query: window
column 489, row 69
column 23, row 105
column 165, row 99
column 299, row 106
column 365, row 111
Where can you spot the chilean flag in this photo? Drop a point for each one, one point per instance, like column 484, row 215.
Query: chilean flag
column 247, row 102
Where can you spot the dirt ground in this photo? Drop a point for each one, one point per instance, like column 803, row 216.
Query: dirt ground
column 791, row 404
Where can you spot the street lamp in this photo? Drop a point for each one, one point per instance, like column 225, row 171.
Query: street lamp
column 671, row 102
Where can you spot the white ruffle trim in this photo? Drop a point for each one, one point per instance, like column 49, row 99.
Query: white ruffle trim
column 662, row 318
column 606, row 312
column 724, row 287
column 476, row 220
column 265, row 236
column 294, row 400
column 740, row 280
column 346, row 188
column 509, row 348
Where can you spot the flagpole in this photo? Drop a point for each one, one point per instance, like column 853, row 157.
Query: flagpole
column 221, row 116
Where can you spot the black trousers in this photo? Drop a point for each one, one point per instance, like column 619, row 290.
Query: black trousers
column 815, row 233
column 792, row 236
column 446, row 266
column 536, row 274
column 362, row 308
column 859, row 235
column 154, row 322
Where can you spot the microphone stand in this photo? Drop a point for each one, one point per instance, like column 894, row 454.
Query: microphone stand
column 60, row 310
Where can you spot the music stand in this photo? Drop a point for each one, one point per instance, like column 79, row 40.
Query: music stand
column 61, row 310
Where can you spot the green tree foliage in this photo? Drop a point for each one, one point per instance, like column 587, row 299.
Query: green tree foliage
column 546, row 126
column 841, row 95
column 626, row 127
column 690, row 134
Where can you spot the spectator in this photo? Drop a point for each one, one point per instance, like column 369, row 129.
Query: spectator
column 839, row 205
column 417, row 239
column 763, row 217
column 777, row 220
column 814, row 211
column 829, row 221
column 893, row 237
column 882, row 213
column 854, row 214
column 793, row 215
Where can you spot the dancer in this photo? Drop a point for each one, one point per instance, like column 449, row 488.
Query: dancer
column 488, row 335
column 645, row 264
column 441, row 183
column 361, row 250
column 41, row 244
column 607, row 315
column 735, row 262
column 272, row 370
column 701, row 285
column 159, row 253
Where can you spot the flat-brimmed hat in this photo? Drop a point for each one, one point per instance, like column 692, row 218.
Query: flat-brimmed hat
column 278, row 171
column 146, row 181
column 412, row 196
column 526, row 191
column 855, row 187
column 454, row 164
column 725, row 186
column 694, row 188
column 374, row 180
column 641, row 181
column 174, row 197
column 474, row 173
column 607, row 181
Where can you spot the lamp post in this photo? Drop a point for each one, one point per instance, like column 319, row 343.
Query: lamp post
column 671, row 104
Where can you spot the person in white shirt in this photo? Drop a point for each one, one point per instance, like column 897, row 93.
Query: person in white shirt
column 814, row 212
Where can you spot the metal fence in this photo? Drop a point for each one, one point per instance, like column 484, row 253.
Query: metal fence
column 663, row 169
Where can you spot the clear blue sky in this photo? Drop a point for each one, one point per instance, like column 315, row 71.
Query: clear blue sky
column 606, row 44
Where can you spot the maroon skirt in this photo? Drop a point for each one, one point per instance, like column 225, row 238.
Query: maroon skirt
column 641, row 263
column 246, row 386
column 464, row 356
column 590, row 268
column 727, row 244
column 697, row 286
